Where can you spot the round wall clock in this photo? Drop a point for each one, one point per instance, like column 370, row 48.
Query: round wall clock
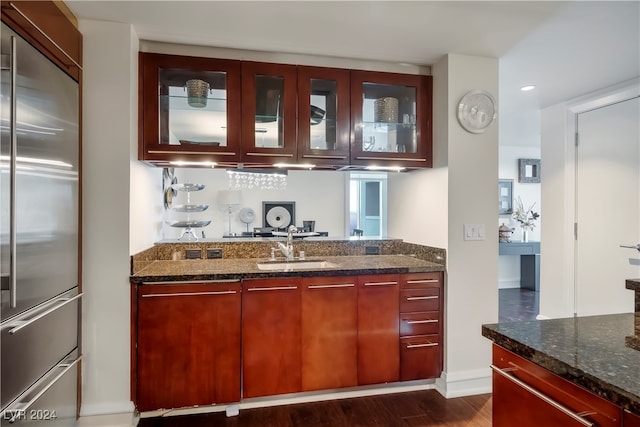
column 476, row 111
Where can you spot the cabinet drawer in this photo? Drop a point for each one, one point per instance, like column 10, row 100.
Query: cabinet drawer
column 420, row 357
column 420, row 323
column 526, row 394
column 421, row 280
column 427, row 299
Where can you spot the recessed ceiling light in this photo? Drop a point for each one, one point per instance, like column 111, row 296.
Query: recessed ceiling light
column 527, row 88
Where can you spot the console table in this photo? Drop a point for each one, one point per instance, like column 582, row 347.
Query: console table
column 529, row 261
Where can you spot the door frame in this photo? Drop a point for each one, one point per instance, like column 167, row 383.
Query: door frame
column 598, row 99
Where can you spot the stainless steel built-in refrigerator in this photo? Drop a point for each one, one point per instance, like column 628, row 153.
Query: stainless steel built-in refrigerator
column 39, row 186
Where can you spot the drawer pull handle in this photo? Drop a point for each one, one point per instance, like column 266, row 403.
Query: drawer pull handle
column 421, row 298
column 380, row 283
column 344, row 285
column 542, row 396
column 423, row 281
column 414, row 322
column 61, row 302
column 270, row 155
column 188, row 294
column 430, row 344
column 19, row 407
column 275, row 288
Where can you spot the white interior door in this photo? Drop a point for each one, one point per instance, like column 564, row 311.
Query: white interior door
column 607, row 207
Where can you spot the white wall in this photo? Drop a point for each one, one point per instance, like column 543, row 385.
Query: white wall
column 109, row 123
column 319, row 196
column 509, row 266
column 431, row 206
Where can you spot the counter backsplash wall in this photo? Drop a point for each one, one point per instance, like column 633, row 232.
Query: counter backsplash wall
column 262, row 249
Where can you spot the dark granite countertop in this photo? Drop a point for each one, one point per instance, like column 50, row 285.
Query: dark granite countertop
column 221, row 269
column 589, row 351
column 633, row 284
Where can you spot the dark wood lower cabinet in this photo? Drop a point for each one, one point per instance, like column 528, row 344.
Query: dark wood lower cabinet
column 188, row 345
column 271, row 333
column 203, row 344
column 378, row 329
column 329, row 333
column 631, row 420
column 420, row 357
column 527, row 395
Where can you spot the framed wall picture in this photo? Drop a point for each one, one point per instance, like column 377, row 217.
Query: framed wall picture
column 528, row 170
column 278, row 215
column 505, row 197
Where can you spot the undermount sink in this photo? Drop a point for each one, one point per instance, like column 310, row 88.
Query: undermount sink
column 295, row 265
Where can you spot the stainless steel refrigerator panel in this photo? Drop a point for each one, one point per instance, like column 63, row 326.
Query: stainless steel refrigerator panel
column 46, row 182
column 35, row 341
column 51, row 402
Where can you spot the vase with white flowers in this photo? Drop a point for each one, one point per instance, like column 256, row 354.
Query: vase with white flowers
column 526, row 218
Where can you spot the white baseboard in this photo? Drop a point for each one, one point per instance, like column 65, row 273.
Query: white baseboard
column 289, row 399
column 542, row 317
column 465, row 383
column 110, row 420
column 118, row 410
column 509, row 283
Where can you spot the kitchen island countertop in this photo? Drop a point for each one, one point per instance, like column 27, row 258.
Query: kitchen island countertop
column 592, row 352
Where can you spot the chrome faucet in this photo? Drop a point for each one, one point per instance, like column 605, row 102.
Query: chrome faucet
column 287, row 250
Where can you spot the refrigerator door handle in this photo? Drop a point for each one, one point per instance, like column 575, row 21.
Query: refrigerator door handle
column 20, row 324
column 13, row 147
column 19, row 407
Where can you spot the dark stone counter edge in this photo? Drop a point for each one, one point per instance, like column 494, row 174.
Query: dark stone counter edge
column 595, row 385
column 633, row 284
column 276, row 274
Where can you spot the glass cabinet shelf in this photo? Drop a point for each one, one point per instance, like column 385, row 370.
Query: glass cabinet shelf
column 182, row 102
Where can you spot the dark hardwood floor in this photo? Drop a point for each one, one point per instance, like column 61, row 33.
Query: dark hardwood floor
column 518, row 304
column 414, row 409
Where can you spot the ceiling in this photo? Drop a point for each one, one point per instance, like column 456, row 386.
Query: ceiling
column 565, row 48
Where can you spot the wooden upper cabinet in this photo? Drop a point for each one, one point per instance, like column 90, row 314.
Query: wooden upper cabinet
column 391, row 119
column 233, row 112
column 323, row 116
column 189, row 109
column 269, row 101
column 46, row 26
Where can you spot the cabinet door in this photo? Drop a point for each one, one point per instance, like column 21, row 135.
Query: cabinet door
column 391, row 119
column 268, row 113
column 188, row 345
column 323, row 116
column 45, row 25
column 631, row 420
column 271, row 337
column 420, row 357
column 527, row 395
column 189, row 109
column 378, row 329
column 329, row 333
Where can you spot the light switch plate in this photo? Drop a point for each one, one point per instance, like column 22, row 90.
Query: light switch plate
column 474, row 232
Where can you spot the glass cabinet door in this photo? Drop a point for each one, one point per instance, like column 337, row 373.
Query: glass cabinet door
column 190, row 108
column 268, row 112
column 391, row 119
column 323, row 116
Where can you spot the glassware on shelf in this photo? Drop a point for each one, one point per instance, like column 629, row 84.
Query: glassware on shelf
column 189, row 224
